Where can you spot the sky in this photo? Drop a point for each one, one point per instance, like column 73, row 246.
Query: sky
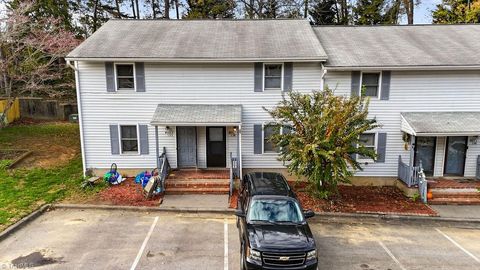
column 423, row 12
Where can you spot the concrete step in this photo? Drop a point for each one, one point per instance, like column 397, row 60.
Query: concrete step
column 196, row 183
column 454, row 201
column 189, row 190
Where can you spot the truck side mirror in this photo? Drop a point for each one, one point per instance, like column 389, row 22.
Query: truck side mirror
column 239, row 213
column 308, row 214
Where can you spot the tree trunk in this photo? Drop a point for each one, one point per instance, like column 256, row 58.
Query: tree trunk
column 117, row 5
column 138, row 9
column 409, row 7
column 133, row 9
column 154, row 13
column 177, row 9
column 95, row 15
column 305, row 13
column 167, row 9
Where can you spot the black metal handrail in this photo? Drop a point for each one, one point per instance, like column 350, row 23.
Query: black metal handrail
column 234, row 172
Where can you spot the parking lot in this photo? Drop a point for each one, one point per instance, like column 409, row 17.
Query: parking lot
column 101, row 239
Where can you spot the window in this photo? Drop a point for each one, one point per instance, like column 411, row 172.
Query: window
column 129, row 139
column 368, row 140
column 371, row 82
column 269, row 147
column 125, row 76
column 273, row 76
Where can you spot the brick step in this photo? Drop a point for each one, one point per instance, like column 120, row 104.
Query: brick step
column 455, row 193
column 210, row 190
column 454, row 201
column 197, row 183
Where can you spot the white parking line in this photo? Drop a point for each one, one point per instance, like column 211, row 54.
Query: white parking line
column 458, row 245
column 391, row 255
column 142, row 248
column 225, row 241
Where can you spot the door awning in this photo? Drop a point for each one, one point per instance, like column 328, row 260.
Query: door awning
column 441, row 123
column 197, row 115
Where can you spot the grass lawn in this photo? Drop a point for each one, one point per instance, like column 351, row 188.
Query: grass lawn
column 52, row 173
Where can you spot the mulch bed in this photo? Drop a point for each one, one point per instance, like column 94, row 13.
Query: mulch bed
column 361, row 199
column 127, row 193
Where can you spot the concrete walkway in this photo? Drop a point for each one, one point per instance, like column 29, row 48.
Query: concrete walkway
column 196, row 201
column 458, row 211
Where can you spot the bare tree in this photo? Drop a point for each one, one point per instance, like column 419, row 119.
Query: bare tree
column 32, row 51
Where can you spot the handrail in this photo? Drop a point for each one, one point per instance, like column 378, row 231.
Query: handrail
column 409, row 175
column 234, row 172
column 163, row 171
column 422, row 185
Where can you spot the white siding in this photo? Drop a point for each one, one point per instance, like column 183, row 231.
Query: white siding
column 233, row 84
column 180, row 84
column 415, row 91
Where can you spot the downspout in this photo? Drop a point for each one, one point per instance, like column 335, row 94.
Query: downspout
column 80, row 118
column 240, row 150
column 324, row 72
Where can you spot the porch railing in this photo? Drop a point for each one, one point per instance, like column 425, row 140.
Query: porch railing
column 409, row 175
column 163, row 169
column 234, row 172
column 477, row 172
column 158, row 180
column 422, row 185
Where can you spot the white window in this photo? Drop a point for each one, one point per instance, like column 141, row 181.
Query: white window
column 269, row 147
column 272, row 76
column 371, row 83
column 368, row 140
column 129, row 139
column 125, row 76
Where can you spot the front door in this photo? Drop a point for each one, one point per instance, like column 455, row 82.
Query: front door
column 186, row 147
column 425, row 152
column 455, row 155
column 216, row 147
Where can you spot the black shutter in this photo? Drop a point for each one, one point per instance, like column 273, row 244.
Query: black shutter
column 287, row 76
column 140, row 77
column 257, row 139
column 355, row 91
column 385, row 90
column 110, row 76
column 258, row 77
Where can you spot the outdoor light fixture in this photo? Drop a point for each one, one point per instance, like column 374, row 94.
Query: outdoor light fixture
column 168, row 131
column 232, row 131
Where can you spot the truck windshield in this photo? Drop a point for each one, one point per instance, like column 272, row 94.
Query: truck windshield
column 272, row 210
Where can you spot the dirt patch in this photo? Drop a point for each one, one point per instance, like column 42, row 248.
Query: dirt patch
column 126, row 193
column 48, row 154
column 365, row 199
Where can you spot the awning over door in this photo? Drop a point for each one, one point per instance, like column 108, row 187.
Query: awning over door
column 441, row 123
column 197, row 115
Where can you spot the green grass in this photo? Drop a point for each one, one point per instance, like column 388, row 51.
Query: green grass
column 24, row 190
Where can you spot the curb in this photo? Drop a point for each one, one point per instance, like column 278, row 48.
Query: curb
column 391, row 217
column 24, row 221
column 144, row 208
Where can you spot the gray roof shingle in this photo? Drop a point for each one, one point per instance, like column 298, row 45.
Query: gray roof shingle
column 455, row 123
column 203, row 40
column 417, row 45
column 191, row 114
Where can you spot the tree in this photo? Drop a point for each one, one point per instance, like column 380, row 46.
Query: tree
column 31, row 51
column 323, row 138
column 457, row 11
column 210, row 9
column 368, row 12
column 323, row 12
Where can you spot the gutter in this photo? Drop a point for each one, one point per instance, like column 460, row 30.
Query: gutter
column 80, row 116
column 194, row 60
column 407, row 68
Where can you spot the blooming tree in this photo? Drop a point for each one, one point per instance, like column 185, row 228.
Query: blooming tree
column 31, row 55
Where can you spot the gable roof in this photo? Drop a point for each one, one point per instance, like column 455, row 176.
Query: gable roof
column 401, row 46
column 203, row 41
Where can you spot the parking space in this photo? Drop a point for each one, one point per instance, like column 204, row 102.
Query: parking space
column 98, row 239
